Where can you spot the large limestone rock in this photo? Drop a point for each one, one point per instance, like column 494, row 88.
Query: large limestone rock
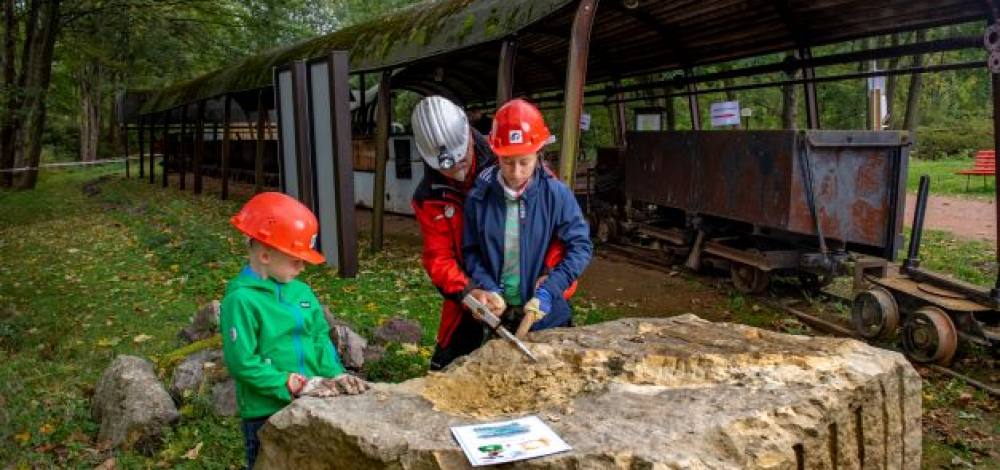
column 131, row 404
column 673, row 393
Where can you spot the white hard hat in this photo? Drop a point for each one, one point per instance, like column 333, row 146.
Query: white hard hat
column 441, row 130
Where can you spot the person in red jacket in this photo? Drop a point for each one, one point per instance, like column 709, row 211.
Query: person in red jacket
column 455, row 154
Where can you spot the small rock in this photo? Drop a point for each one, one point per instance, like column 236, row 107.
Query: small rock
column 131, row 404
column 399, row 330
column 224, row 399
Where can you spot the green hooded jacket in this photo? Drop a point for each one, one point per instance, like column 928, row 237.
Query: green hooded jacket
column 270, row 330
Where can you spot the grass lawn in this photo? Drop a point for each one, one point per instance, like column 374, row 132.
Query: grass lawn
column 91, row 271
column 944, row 181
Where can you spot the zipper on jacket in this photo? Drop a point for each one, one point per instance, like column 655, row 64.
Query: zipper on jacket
column 298, row 328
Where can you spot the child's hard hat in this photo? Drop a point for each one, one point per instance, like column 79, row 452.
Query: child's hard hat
column 441, row 130
column 280, row 222
column 518, row 129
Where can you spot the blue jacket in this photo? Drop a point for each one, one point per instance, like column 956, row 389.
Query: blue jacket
column 550, row 212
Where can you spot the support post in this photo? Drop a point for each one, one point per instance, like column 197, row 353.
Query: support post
column 142, row 144
column 505, row 75
column 182, row 149
column 124, row 132
column 258, row 163
column 383, row 118
column 576, row 77
column 812, row 103
column 199, row 146
column 995, row 78
column 167, row 151
column 152, row 145
column 692, row 89
column 621, row 122
column 303, row 141
column 341, row 132
column 224, row 154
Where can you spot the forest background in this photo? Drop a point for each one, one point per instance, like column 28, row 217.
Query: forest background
column 63, row 61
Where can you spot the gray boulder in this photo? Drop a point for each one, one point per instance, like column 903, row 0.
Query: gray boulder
column 656, row 393
column 131, row 404
column 205, row 323
column 190, row 375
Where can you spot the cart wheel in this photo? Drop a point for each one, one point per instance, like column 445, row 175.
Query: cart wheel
column 814, row 282
column 748, row 279
column 875, row 314
column 929, row 336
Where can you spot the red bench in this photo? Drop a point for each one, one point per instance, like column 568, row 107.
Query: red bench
column 983, row 165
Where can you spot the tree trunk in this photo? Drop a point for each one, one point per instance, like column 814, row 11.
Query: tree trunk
column 38, row 73
column 7, row 100
column 913, row 98
column 90, row 79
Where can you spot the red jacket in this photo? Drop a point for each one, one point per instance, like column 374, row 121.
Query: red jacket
column 438, row 203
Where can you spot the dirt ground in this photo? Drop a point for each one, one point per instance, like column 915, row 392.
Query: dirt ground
column 606, row 282
column 968, row 218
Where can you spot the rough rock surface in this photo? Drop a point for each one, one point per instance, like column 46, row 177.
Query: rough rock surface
column 205, row 323
column 190, row 373
column 398, row 330
column 224, row 399
column 667, row 393
column 350, row 345
column 131, row 404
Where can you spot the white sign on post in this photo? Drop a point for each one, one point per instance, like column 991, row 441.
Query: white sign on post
column 726, row 113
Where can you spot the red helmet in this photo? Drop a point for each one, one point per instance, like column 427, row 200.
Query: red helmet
column 518, row 129
column 280, row 222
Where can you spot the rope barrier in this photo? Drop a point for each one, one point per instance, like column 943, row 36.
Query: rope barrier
column 65, row 164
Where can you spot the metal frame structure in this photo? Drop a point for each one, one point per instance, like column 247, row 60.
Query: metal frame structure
column 593, row 42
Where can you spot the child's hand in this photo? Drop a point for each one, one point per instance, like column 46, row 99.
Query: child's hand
column 491, row 300
column 348, row 384
column 319, row 387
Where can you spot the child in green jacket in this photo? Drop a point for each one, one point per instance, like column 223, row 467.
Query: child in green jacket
column 275, row 340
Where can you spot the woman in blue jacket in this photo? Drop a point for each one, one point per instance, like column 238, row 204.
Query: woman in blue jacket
column 512, row 215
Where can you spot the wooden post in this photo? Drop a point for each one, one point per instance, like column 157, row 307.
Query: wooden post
column 303, row 142
column 505, row 75
column 182, row 150
column 384, row 118
column 341, row 132
column 142, row 145
column 576, row 78
column 258, row 166
column 152, row 145
column 165, row 178
column 226, row 104
column 812, row 104
column 199, row 146
column 124, row 132
column 692, row 89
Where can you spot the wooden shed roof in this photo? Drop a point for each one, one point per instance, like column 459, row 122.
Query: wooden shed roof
column 461, row 38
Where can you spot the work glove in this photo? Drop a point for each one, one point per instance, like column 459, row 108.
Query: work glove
column 539, row 305
column 348, row 384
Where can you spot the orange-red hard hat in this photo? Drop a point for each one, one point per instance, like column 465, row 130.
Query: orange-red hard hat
column 280, row 222
column 518, row 129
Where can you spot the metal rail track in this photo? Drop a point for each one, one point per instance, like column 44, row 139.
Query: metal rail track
column 646, row 258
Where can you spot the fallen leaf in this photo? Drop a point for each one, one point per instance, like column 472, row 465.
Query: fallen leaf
column 46, row 428
column 105, row 445
column 193, row 453
column 47, row 447
column 107, row 465
column 23, row 437
column 141, row 338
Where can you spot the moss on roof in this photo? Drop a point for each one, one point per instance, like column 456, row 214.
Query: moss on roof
column 423, row 30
